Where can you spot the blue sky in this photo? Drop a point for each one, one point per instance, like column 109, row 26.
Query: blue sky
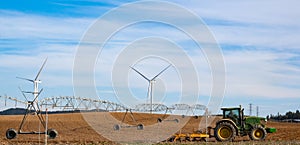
column 259, row 40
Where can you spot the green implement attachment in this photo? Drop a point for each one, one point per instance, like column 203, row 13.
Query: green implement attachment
column 271, row 130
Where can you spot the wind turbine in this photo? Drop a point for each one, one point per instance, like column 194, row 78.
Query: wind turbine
column 36, row 83
column 151, row 83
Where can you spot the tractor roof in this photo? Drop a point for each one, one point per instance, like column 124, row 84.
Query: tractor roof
column 231, row 108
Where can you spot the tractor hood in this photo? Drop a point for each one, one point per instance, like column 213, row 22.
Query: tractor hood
column 255, row 120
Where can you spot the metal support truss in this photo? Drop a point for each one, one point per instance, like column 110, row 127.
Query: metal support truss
column 189, row 108
column 15, row 100
column 155, row 108
column 79, row 103
column 72, row 103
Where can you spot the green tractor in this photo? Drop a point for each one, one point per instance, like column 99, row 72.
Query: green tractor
column 234, row 123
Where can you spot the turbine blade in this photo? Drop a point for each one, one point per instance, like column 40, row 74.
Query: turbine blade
column 27, row 92
column 25, row 79
column 161, row 72
column 23, row 94
column 37, row 76
column 140, row 74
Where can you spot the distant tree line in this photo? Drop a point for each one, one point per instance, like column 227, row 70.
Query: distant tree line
column 288, row 115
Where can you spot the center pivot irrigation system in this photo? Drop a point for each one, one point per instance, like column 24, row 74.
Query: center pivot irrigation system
column 34, row 109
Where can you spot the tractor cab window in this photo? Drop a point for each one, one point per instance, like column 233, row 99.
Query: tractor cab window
column 232, row 114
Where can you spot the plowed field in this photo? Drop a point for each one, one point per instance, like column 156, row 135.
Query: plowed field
column 73, row 129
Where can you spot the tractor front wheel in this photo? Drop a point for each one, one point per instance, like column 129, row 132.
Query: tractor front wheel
column 258, row 133
column 224, row 131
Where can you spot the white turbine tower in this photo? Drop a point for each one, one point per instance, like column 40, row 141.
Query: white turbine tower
column 151, row 83
column 36, row 83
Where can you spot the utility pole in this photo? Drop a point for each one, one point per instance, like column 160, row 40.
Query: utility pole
column 257, row 111
column 250, row 107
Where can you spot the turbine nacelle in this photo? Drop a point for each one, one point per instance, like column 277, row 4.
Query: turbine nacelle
column 33, row 81
column 153, row 81
column 38, row 81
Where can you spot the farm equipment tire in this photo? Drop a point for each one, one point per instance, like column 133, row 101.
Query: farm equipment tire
column 11, row 133
column 52, row 133
column 258, row 133
column 224, row 131
column 159, row 120
column 117, row 127
column 140, row 127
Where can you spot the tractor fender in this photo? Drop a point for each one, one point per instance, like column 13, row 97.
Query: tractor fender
column 231, row 122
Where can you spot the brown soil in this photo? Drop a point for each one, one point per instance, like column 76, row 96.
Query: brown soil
column 73, row 129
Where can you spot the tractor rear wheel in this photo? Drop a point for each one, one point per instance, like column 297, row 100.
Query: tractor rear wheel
column 258, row 133
column 224, row 131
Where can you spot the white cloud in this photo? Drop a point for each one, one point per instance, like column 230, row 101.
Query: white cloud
column 258, row 37
column 267, row 12
column 29, row 26
column 261, row 74
column 260, row 24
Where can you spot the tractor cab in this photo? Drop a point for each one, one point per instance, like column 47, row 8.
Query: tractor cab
column 234, row 114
